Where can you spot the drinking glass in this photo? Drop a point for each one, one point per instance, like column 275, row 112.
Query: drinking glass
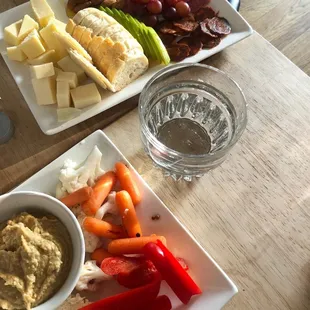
column 191, row 115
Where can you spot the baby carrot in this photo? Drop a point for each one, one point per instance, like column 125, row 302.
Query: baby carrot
column 76, row 197
column 99, row 255
column 127, row 182
column 100, row 192
column 132, row 245
column 102, row 228
column 128, row 214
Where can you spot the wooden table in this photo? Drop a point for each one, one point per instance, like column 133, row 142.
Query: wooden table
column 251, row 214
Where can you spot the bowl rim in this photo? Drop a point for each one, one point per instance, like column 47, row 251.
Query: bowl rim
column 66, row 289
column 192, row 157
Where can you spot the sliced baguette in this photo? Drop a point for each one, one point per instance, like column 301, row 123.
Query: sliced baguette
column 95, row 23
column 121, row 73
column 104, row 48
column 91, row 70
column 78, row 32
column 70, row 26
column 71, row 43
column 78, row 18
column 86, row 38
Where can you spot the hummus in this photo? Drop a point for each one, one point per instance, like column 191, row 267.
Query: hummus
column 35, row 259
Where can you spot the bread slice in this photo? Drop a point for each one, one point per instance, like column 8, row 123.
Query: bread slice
column 105, row 48
column 101, row 15
column 91, row 70
column 70, row 26
column 122, row 73
column 78, row 18
column 86, row 38
column 109, row 55
column 95, row 23
column 94, row 45
column 71, row 43
column 78, row 32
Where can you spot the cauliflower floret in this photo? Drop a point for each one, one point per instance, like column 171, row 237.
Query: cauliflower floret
column 92, row 242
column 108, row 207
column 90, row 276
column 74, row 303
column 73, row 177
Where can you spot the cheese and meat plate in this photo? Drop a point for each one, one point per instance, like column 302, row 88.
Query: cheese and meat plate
column 73, row 61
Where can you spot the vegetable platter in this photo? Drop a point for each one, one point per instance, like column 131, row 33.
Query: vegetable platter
column 55, row 60
column 193, row 280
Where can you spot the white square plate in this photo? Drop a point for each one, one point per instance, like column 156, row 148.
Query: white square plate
column 46, row 116
column 217, row 288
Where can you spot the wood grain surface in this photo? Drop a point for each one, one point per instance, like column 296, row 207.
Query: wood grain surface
column 286, row 24
column 251, row 214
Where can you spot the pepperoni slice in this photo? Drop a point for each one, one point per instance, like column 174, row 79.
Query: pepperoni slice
column 219, row 25
column 210, row 43
column 204, row 28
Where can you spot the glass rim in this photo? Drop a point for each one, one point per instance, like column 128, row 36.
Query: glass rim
column 162, row 147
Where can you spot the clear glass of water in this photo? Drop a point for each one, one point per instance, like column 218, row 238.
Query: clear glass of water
column 191, row 116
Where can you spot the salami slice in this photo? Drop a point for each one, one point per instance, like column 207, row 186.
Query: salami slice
column 219, row 25
column 195, row 5
column 166, row 28
column 211, row 42
column 205, row 29
column 186, row 25
column 204, row 13
column 178, row 52
column 193, row 43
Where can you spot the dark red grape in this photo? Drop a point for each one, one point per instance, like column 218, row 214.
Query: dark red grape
column 150, row 20
column 183, row 9
column 143, row 1
column 154, row 7
column 170, row 13
column 171, row 2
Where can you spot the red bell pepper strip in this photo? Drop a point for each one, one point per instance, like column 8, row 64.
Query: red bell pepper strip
column 160, row 303
column 137, row 298
column 120, row 264
column 171, row 271
column 138, row 277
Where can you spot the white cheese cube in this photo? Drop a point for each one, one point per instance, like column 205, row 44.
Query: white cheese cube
column 42, row 71
column 86, row 95
column 51, row 40
column 69, row 77
column 28, row 25
column 32, row 45
column 57, row 71
column 15, row 53
column 11, row 33
column 45, row 90
column 68, row 65
column 65, row 114
column 42, row 11
column 49, row 56
column 63, row 94
column 59, row 24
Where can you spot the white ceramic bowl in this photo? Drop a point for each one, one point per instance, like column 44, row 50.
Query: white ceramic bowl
column 14, row 203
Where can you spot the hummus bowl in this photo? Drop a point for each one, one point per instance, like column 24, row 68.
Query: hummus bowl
column 35, row 203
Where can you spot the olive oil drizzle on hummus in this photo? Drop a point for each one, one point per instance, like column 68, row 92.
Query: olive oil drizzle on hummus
column 35, row 258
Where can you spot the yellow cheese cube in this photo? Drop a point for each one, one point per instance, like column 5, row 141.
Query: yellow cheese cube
column 32, row 45
column 15, row 53
column 68, row 65
column 49, row 56
column 65, row 114
column 28, row 25
column 59, row 24
column 42, row 11
column 57, row 72
column 11, row 33
column 69, row 77
column 51, row 41
column 63, row 94
column 86, row 95
column 42, row 71
column 45, row 90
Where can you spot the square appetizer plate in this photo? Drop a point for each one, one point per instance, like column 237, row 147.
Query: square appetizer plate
column 217, row 288
column 46, row 116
